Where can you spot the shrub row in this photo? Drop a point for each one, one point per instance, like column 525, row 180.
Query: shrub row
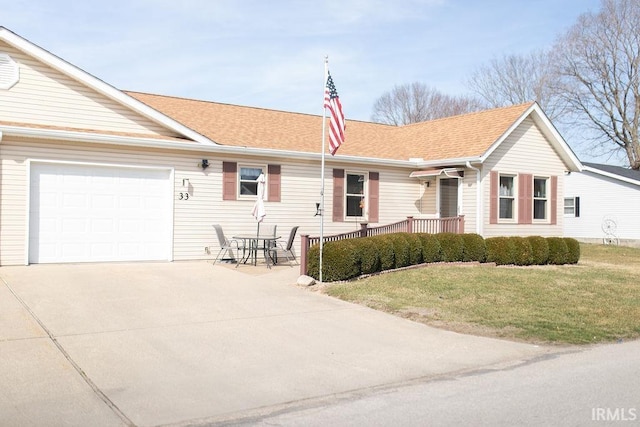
column 346, row 259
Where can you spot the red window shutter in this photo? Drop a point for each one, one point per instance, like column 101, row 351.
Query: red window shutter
column 525, row 198
column 338, row 195
column 273, row 173
column 374, row 199
column 229, row 180
column 554, row 200
column 493, row 198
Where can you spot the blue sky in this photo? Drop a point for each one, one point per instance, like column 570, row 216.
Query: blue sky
column 270, row 54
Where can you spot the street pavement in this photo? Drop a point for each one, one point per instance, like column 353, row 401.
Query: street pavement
column 591, row 386
column 188, row 343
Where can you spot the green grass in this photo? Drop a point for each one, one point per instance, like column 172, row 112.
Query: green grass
column 597, row 300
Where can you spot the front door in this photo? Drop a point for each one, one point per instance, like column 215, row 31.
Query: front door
column 448, row 197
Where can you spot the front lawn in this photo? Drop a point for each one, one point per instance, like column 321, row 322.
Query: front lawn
column 597, row 300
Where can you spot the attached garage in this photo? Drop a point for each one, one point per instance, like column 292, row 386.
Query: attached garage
column 97, row 213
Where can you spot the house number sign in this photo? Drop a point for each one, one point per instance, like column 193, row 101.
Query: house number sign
column 183, row 196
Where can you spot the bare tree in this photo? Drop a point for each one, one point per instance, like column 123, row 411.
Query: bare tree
column 515, row 79
column 598, row 62
column 417, row 102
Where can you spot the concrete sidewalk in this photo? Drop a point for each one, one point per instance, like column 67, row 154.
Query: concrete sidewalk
column 186, row 342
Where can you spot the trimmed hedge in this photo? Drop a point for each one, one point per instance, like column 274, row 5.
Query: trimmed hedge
column 401, row 249
column 558, row 251
column 431, row 250
column 346, row 259
column 340, row 261
column 313, row 262
column 368, row 255
column 574, row 250
column 451, row 246
column 415, row 248
column 473, row 248
column 539, row 249
column 500, row 250
column 522, row 251
column 385, row 251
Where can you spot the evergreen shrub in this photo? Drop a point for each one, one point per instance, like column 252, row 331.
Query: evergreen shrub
column 385, row 251
column 558, row 251
column 313, row 262
column 474, row 248
column 368, row 255
column 573, row 246
column 539, row 250
column 340, row 261
column 400, row 249
column 415, row 248
column 431, row 250
column 451, row 246
column 522, row 251
column 500, row 250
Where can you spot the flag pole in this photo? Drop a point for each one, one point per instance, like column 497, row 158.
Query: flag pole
column 324, row 125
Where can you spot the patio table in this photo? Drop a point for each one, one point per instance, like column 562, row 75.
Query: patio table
column 254, row 246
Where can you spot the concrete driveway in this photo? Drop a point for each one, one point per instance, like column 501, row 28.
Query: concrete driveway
column 187, row 343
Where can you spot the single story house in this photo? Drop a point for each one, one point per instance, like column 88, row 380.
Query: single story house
column 601, row 204
column 91, row 173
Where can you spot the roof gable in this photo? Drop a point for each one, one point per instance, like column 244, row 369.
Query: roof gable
column 61, row 77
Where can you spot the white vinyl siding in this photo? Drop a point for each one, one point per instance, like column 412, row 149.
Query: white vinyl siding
column 525, row 150
column 602, row 197
column 44, row 96
column 193, row 217
column 469, row 200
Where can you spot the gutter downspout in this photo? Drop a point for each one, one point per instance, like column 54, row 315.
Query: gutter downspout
column 478, row 199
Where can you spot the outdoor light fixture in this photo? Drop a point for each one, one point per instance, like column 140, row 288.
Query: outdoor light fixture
column 204, row 164
column 318, row 210
column 185, row 182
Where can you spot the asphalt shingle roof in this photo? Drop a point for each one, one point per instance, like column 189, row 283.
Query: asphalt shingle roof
column 466, row 135
column 616, row 170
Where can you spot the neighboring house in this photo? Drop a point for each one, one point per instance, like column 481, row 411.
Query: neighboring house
column 92, row 173
column 601, row 204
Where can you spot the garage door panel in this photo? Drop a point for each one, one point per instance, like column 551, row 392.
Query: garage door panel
column 86, row 213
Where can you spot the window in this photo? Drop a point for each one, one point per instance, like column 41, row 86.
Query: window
column 507, row 197
column 572, row 206
column 248, row 180
column 569, row 206
column 540, row 198
column 355, row 194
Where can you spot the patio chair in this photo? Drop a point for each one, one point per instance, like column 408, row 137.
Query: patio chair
column 287, row 250
column 268, row 245
column 227, row 244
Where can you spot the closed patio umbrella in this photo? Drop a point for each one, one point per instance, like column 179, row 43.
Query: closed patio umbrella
column 259, row 211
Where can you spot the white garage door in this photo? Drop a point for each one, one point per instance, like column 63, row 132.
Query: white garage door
column 92, row 213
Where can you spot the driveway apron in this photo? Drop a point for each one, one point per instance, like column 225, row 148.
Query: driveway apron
column 187, row 342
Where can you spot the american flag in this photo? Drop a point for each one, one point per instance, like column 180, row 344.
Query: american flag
column 336, row 122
